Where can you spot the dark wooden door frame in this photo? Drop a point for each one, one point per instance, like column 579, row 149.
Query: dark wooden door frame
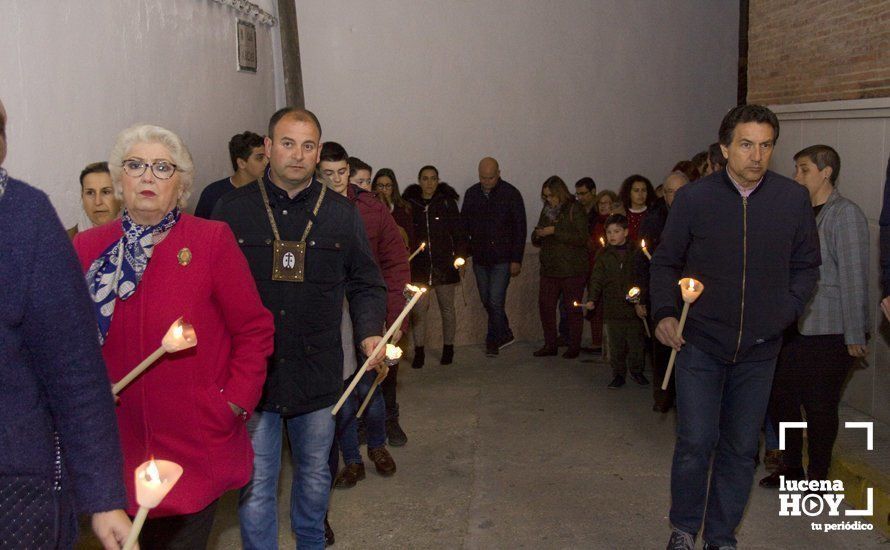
column 290, row 53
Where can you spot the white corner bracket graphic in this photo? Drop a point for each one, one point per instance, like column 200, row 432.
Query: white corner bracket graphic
column 869, row 428
column 785, row 425
column 870, row 507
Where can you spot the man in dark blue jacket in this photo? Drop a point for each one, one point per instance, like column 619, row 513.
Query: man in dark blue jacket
column 749, row 235
column 494, row 216
column 288, row 222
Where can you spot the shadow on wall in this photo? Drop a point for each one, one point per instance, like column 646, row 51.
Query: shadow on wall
column 472, row 321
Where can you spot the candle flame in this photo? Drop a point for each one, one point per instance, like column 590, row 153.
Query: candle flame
column 633, row 291
column 643, row 243
column 423, row 245
column 691, row 285
column 177, row 329
column 602, row 241
column 393, row 352
column 576, row 304
column 459, row 262
column 152, row 474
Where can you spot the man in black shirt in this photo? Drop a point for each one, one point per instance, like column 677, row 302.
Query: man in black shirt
column 248, row 156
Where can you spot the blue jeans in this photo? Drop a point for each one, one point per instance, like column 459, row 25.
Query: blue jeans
column 310, row 438
column 375, row 420
column 770, row 436
column 720, row 409
column 492, row 281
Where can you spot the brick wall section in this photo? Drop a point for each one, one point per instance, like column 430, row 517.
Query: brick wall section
column 818, row 50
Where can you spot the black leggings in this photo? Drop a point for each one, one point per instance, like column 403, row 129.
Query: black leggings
column 184, row 532
column 810, row 372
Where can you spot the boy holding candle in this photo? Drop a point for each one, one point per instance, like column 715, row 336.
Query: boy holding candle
column 612, row 277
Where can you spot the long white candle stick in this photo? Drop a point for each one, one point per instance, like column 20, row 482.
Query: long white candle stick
column 418, row 292
column 691, row 290
column 393, row 354
column 179, row 336
column 418, row 251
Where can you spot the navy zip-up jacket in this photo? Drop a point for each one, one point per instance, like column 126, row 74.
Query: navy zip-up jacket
column 758, row 259
column 495, row 224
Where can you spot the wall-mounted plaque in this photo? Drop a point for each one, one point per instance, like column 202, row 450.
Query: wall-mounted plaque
column 246, row 46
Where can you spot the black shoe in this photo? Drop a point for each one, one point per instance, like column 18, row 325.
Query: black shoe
column 616, row 382
column 506, row 341
column 419, row 358
column 491, row 350
column 447, row 355
column 394, row 434
column 773, row 480
column 545, row 352
column 571, row 353
column 681, row 540
column 640, row 379
column 328, row 532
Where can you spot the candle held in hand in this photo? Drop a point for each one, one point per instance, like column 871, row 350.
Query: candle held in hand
column 418, row 251
column 154, row 479
column 645, row 250
column 179, row 336
column 459, row 263
column 690, row 290
column 418, row 292
column 633, row 295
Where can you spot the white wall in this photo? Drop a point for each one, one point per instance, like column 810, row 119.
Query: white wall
column 860, row 132
column 572, row 87
column 73, row 74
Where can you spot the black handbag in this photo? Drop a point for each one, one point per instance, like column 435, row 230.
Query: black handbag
column 30, row 508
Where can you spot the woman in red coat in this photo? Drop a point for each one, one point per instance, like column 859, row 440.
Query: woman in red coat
column 144, row 271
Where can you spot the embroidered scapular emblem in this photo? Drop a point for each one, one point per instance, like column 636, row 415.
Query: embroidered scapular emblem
column 288, row 261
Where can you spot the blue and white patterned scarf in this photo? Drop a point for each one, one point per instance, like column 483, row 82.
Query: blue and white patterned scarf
column 117, row 272
column 4, row 178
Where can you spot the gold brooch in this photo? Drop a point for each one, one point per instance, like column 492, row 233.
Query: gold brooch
column 184, row 257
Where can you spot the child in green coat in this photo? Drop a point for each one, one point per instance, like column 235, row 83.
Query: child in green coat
column 612, row 278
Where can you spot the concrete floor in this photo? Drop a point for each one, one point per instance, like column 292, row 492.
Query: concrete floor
column 519, row 452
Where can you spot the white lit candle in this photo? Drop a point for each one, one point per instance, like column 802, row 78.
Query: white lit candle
column 459, row 263
column 690, row 290
column 418, row 251
column 417, row 293
column 179, row 336
column 393, row 354
column 645, row 250
column 602, row 241
column 154, row 479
